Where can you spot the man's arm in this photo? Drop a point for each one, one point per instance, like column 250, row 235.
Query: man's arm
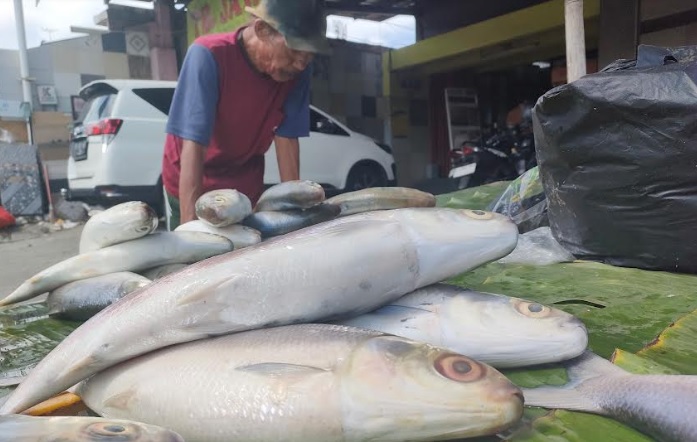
column 190, row 179
column 296, row 124
column 288, row 157
column 191, row 118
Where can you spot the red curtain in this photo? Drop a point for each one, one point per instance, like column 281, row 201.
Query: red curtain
column 437, row 119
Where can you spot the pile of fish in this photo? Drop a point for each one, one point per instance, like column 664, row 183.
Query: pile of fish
column 307, row 318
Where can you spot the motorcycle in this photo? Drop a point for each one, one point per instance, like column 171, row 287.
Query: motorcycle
column 503, row 156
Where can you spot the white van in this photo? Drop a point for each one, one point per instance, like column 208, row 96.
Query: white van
column 116, row 147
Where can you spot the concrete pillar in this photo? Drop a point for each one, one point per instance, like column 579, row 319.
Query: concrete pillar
column 575, row 40
column 619, row 30
column 163, row 57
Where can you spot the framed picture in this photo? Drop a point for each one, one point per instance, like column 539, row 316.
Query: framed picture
column 47, row 95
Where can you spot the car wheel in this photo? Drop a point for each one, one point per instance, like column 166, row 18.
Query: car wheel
column 364, row 176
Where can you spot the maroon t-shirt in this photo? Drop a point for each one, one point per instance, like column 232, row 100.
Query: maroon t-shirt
column 249, row 109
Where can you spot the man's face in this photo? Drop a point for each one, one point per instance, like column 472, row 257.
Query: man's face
column 286, row 63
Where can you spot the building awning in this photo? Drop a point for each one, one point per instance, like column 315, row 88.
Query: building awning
column 537, row 29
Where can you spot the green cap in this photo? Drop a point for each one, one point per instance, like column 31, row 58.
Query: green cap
column 302, row 22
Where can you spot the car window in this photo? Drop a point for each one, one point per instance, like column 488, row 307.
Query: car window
column 97, row 108
column 160, row 98
column 321, row 124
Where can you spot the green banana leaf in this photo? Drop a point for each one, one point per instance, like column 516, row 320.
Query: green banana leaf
column 475, row 198
column 622, row 307
column 676, row 347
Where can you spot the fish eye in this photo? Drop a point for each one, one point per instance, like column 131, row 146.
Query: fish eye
column 458, row 368
column 532, row 309
column 479, row 214
column 143, row 229
column 109, row 430
column 219, row 199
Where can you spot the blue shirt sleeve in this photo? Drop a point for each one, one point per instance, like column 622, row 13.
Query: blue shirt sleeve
column 192, row 113
column 296, row 122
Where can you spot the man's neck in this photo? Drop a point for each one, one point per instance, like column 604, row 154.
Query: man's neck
column 249, row 44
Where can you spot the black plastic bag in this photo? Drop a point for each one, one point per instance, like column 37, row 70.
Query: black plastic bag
column 617, row 152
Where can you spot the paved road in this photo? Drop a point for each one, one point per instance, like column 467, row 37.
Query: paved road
column 24, row 257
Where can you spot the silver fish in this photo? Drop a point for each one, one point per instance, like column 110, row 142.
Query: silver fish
column 223, row 207
column 290, row 195
column 381, row 198
column 123, row 222
column 661, row 406
column 139, row 254
column 241, row 236
column 80, row 300
column 20, row 428
column 308, row 382
column 299, row 277
column 498, row 330
column 282, row 222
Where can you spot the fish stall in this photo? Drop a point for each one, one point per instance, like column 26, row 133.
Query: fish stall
column 556, row 307
column 403, row 316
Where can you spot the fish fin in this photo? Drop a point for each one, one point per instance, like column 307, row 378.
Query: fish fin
column 54, row 404
column 11, row 381
column 570, row 396
column 200, row 295
column 78, row 366
column 395, row 308
column 559, row 397
column 120, row 401
column 589, row 365
column 278, row 370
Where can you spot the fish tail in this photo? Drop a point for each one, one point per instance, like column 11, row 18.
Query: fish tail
column 570, row 396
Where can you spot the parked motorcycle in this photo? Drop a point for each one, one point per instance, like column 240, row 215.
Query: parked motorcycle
column 503, row 156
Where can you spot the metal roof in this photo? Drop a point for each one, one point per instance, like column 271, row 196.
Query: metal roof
column 371, row 9
column 365, row 9
column 120, row 17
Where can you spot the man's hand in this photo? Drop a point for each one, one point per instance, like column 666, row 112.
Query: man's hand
column 190, row 179
column 288, row 157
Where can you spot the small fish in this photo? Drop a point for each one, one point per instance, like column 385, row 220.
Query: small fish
column 20, row 428
column 308, row 382
column 80, row 300
column 223, row 207
column 498, row 330
column 298, row 277
column 381, row 198
column 241, row 236
column 131, row 256
column 158, row 272
column 290, row 195
column 123, row 222
column 282, row 222
column 661, row 406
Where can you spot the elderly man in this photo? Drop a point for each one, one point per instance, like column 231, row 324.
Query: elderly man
column 237, row 92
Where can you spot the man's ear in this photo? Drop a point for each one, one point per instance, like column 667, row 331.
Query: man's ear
column 263, row 30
